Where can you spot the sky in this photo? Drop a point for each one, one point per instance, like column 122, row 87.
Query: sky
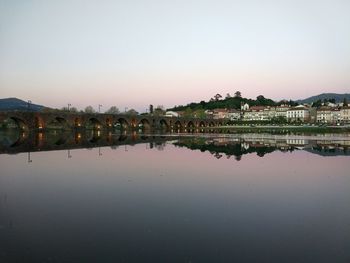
column 135, row 53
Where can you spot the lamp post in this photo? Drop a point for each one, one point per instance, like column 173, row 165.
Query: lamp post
column 29, row 159
column 29, row 102
column 99, row 108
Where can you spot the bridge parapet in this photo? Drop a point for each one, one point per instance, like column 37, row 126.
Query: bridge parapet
column 42, row 120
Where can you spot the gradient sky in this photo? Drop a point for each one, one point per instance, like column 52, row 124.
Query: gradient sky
column 133, row 53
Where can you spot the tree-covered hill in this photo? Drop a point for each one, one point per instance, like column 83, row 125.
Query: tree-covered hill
column 229, row 103
column 14, row 104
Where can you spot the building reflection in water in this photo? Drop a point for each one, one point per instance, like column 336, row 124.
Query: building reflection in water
column 218, row 145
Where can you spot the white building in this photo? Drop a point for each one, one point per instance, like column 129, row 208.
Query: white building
column 345, row 114
column 244, row 106
column 281, row 111
column 323, row 114
column 256, row 113
column 298, row 113
column 171, row 114
column 331, row 115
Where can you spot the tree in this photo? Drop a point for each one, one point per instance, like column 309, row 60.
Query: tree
column 228, row 96
column 317, row 103
column 345, row 102
column 73, row 109
column 260, row 98
column 113, row 110
column 200, row 114
column 159, row 110
column 217, row 96
column 132, row 112
column 89, row 109
column 188, row 112
column 238, row 94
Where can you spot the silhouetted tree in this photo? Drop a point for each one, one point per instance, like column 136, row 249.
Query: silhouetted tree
column 113, row 110
column 89, row 109
column 317, row 103
column 132, row 112
column 217, row 96
column 238, row 94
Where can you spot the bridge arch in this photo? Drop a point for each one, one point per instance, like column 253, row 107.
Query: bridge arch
column 163, row 124
column 202, row 124
column 19, row 122
column 144, row 124
column 177, row 125
column 94, row 123
column 190, row 125
column 55, row 122
column 121, row 123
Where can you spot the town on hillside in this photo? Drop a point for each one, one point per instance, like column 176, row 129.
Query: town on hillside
column 321, row 112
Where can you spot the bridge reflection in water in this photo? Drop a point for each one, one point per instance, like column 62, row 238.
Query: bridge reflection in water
column 236, row 146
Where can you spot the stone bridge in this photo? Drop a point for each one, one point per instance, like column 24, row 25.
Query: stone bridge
column 66, row 120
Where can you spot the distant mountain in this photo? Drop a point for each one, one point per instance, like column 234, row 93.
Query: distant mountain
column 336, row 96
column 14, row 104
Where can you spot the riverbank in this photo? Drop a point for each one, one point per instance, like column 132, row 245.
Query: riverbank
column 288, row 129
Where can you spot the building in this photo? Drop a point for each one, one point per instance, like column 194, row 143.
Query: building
column 281, row 111
column 244, row 106
column 336, row 115
column 234, row 115
column 220, row 114
column 172, row 114
column 256, row 113
column 299, row 113
column 324, row 114
column 345, row 114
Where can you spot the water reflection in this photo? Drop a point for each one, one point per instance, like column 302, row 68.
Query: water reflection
column 218, row 145
column 88, row 197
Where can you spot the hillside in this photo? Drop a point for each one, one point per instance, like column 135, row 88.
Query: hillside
column 14, row 104
column 229, row 103
column 336, row 96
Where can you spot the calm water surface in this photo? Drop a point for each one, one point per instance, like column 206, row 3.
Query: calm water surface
column 178, row 200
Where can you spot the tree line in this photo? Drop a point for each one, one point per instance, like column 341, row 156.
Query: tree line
column 230, row 102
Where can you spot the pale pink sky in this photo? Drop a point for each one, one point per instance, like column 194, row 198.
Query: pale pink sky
column 135, row 53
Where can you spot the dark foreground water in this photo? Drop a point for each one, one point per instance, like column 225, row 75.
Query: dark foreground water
column 175, row 199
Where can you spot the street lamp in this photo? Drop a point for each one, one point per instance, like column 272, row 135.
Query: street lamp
column 29, row 159
column 29, row 102
column 99, row 108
